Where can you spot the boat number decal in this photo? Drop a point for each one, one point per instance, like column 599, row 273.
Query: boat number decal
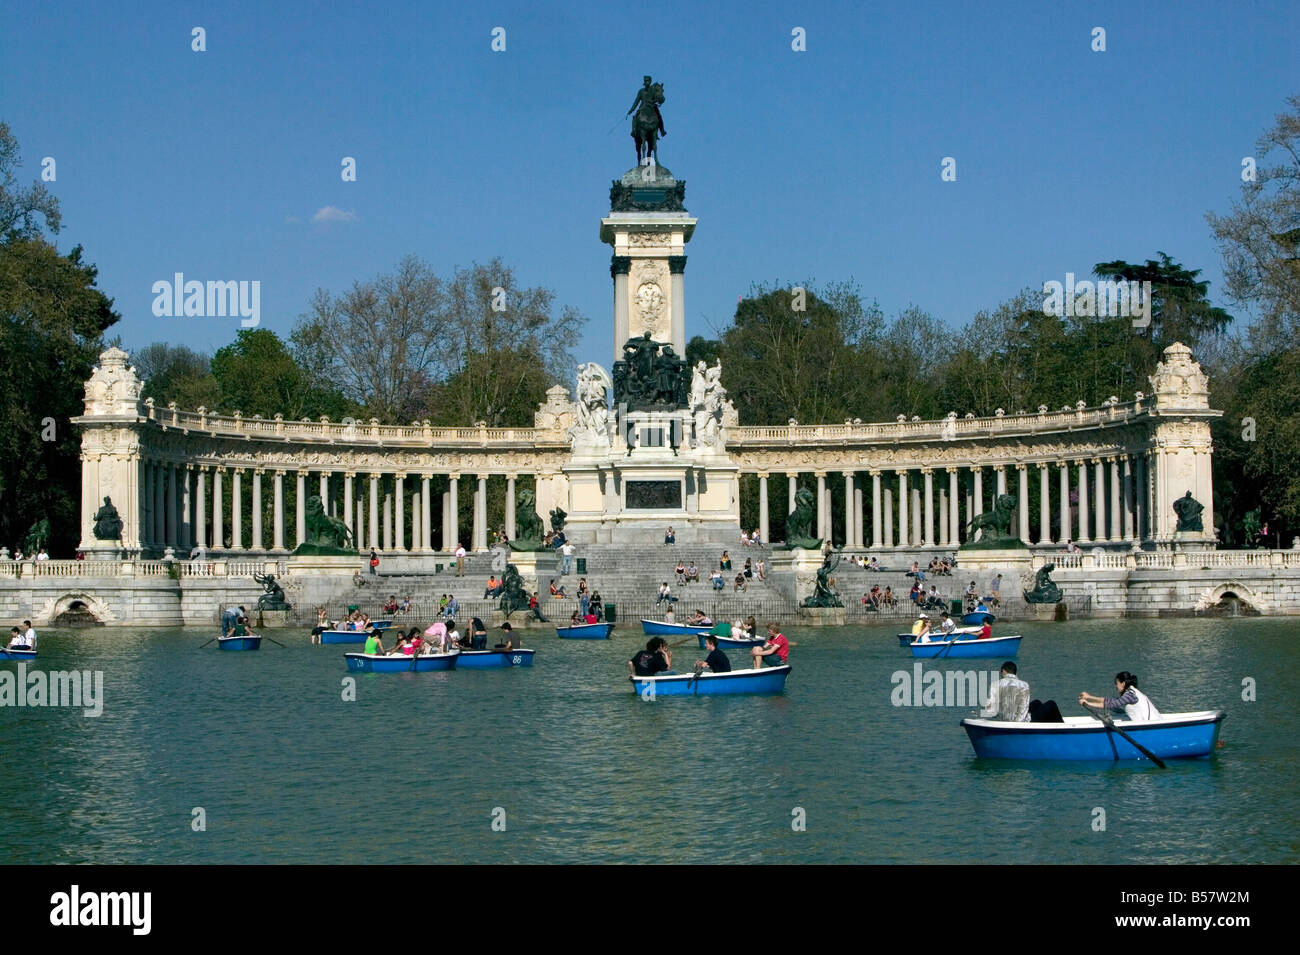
column 516, row 660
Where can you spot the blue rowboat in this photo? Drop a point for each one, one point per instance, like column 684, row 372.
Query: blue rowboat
column 732, row 643
column 1173, row 736
column 907, row 639
column 585, row 631
column 657, row 628
column 17, row 654
column 494, row 659
column 977, row 618
column 968, row 648
column 343, row 636
column 239, row 643
column 763, row 680
column 379, row 663
column 381, row 624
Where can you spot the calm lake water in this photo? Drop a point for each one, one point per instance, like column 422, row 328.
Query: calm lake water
column 412, row 771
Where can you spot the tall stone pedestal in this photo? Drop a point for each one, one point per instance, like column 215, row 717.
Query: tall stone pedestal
column 1017, row 559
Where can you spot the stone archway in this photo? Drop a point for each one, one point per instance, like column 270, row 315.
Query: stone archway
column 78, row 609
column 1232, row 598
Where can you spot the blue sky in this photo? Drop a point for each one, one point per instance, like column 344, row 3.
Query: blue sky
column 823, row 164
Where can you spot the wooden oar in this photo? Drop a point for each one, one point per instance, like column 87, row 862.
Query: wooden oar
column 1110, row 725
column 276, row 642
column 699, row 668
column 202, row 645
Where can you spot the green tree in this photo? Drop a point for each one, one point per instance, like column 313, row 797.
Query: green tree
column 256, row 374
column 19, row 208
column 176, row 373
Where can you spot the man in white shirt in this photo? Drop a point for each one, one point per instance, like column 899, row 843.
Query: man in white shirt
column 1008, row 698
column 30, row 636
column 460, row 560
column 948, row 626
column 567, row 551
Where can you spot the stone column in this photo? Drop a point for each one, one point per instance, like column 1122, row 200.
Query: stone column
column 480, row 514
column 954, row 522
column 218, row 511
column 904, row 530
column 823, row 518
column 277, row 531
column 915, row 511
column 763, row 517
column 619, row 267
column 416, row 543
column 1129, row 502
column 1023, row 473
column 848, row 509
column 859, row 540
column 201, row 515
column 928, row 539
column 1063, row 488
column 1143, row 524
column 877, row 526
column 173, row 508
column 1099, row 489
column 1044, row 505
column 300, row 508
column 388, row 521
column 677, row 283
column 889, row 515
column 372, row 538
column 451, row 537
column 793, row 483
column 187, row 511
column 360, row 532
column 348, row 509
column 236, row 510
column 510, row 506
column 426, row 517
column 1083, row 502
column 325, row 491
column 978, row 503
column 943, row 515
column 1001, row 473
column 444, row 516
column 399, row 523
column 257, row 508
column 1116, row 515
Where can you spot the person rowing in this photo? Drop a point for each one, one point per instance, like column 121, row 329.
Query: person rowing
column 716, row 661
column 699, row 619
column 374, row 644
column 1131, row 700
column 240, row 629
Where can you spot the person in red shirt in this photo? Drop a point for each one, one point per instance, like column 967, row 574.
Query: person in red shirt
column 776, row 652
column 986, row 631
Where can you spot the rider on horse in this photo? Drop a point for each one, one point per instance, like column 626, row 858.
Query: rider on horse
column 649, row 122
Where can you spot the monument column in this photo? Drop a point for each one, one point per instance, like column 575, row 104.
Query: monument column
column 848, row 509
column 451, row 537
column 173, row 508
column 823, row 518
column 257, row 508
column 1143, row 526
column 426, row 516
column 347, row 504
column 1115, row 514
column 928, row 539
column 978, row 502
column 1023, row 472
column 201, row 516
column 1044, row 505
column 480, row 514
column 236, row 510
column 619, row 266
column 1129, row 502
column 388, row 521
column 1001, row 473
column 373, row 536
column 187, row 511
column 218, row 511
column 277, row 539
column 677, row 282
column 876, row 524
column 859, row 538
column 954, row 525
column 325, row 491
column 1099, row 490
column 1063, row 487
column 510, row 506
column 399, row 522
column 792, row 481
column 763, row 509
column 300, row 507
column 1083, row 501
column 904, row 538
column 159, row 506
column 888, row 494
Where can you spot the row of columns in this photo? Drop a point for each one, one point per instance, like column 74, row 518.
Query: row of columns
column 935, row 507
column 183, row 506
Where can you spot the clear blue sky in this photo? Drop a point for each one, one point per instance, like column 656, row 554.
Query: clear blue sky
column 822, row 164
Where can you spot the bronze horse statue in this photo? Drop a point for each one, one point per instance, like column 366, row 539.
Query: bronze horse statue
column 648, row 124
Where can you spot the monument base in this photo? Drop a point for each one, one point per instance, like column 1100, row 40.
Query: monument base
column 273, row 618
column 1003, row 558
column 1058, row 611
column 519, row 620
column 821, row 616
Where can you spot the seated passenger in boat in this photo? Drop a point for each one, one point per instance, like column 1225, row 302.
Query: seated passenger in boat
column 17, row 641
column 699, row 618
column 1008, row 698
column 986, row 631
column 716, row 661
column 921, row 629
column 403, row 646
column 373, row 643
column 656, row 658
column 1130, row 699
column 947, row 626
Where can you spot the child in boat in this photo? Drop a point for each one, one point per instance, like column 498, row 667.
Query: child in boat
column 403, row 647
column 1131, row 700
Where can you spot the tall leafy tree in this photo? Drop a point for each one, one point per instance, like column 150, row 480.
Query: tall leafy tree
column 256, row 374
column 176, row 373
